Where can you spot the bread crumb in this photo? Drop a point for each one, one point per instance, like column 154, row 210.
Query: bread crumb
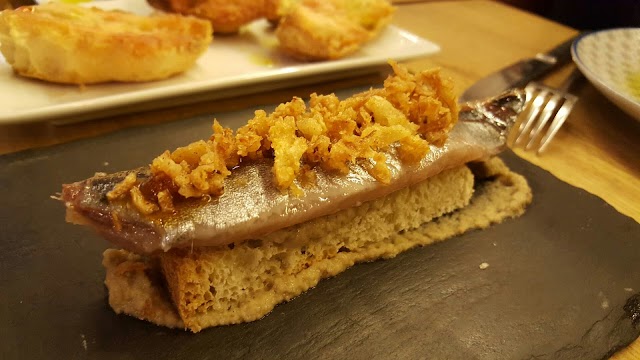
column 483, row 266
column 604, row 303
column 628, row 289
column 84, row 341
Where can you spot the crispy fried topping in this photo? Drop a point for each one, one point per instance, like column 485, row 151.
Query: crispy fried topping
column 117, row 224
column 123, row 187
column 165, row 200
column 410, row 111
column 143, row 205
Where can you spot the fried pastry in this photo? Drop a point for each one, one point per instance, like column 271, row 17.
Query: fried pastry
column 306, row 29
column 70, row 44
column 226, row 17
column 275, row 8
column 330, row 29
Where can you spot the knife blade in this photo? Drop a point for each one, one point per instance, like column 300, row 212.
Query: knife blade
column 520, row 73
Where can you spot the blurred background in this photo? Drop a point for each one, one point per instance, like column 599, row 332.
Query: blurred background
column 585, row 14
column 581, row 15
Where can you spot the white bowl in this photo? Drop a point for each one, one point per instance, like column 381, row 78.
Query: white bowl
column 610, row 59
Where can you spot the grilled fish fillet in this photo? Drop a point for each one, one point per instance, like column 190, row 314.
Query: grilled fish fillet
column 252, row 205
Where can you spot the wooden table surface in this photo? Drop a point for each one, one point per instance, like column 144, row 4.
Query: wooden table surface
column 598, row 149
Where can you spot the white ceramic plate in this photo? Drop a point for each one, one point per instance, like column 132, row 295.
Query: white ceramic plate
column 610, row 59
column 241, row 64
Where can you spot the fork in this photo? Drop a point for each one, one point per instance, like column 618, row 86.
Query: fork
column 548, row 108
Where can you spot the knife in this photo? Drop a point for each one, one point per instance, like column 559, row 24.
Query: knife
column 520, row 73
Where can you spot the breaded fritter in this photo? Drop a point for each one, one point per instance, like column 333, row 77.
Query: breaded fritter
column 71, row 44
column 329, row 29
column 226, row 16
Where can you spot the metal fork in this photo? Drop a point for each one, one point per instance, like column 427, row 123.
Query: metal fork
column 547, row 110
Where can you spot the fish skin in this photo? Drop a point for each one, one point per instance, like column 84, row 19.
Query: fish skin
column 252, row 205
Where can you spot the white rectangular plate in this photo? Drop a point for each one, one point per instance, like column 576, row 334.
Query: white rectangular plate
column 233, row 65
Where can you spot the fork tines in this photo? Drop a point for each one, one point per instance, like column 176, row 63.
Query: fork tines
column 546, row 111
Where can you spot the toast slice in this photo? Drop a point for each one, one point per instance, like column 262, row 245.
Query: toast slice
column 204, row 287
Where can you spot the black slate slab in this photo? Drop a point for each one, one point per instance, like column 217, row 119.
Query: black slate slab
column 563, row 280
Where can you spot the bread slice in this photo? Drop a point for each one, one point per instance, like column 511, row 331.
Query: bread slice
column 71, row 44
column 226, row 285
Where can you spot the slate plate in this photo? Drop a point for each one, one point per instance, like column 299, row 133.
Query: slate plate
column 557, row 285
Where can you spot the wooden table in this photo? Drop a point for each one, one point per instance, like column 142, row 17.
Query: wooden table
column 597, row 150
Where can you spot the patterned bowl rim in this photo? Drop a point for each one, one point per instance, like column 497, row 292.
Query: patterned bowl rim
column 594, row 75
